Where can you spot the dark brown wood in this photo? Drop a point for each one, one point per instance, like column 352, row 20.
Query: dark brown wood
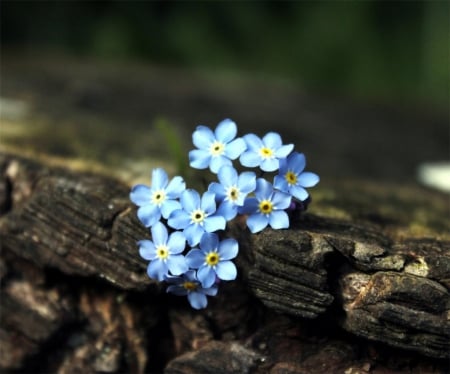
column 373, row 260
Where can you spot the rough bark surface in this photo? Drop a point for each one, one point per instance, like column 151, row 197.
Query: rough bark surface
column 366, row 270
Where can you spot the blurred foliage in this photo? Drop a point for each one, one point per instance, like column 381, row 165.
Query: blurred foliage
column 394, row 50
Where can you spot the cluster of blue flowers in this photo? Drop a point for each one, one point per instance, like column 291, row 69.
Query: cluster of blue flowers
column 186, row 250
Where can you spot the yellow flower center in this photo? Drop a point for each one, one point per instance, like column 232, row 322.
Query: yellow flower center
column 197, row 216
column 291, row 178
column 190, row 286
column 265, row 152
column 217, row 148
column 265, row 206
column 233, row 193
column 162, row 252
column 212, row 258
column 158, row 197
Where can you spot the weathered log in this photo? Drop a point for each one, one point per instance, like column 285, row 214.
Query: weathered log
column 377, row 257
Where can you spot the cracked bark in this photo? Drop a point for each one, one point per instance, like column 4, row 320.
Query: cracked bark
column 373, row 260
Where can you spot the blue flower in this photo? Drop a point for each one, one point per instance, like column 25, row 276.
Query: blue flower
column 266, row 208
column 189, row 285
column 196, row 216
column 266, row 152
column 213, row 259
column 164, row 252
column 217, row 148
column 159, row 199
column 292, row 179
column 232, row 190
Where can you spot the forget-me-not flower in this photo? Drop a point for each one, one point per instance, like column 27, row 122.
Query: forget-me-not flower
column 164, row 252
column 217, row 148
column 232, row 190
column 213, row 259
column 196, row 216
column 266, row 152
column 188, row 285
column 159, row 199
column 292, row 179
column 266, row 207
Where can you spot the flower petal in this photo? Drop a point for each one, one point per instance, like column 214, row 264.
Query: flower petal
column 217, row 189
column 214, row 223
column 176, row 242
column 177, row 264
column 280, row 183
column 250, row 159
column 179, row 219
column 270, row 164
column 175, row 187
column 217, row 162
column 226, row 130
column 235, row 148
column 159, row 234
column 209, row 242
column 177, row 290
column 193, row 234
column 284, row 150
column 297, row 162
column 247, row 182
column 253, row 142
column 208, row 202
column 199, row 158
column 308, row 179
column 159, row 179
column 299, row 193
column 195, row 258
column 210, row 291
column 264, row 189
column 197, row 300
column 226, row 270
column 169, row 206
column 250, row 206
column 149, row 215
column 202, row 137
column 147, row 249
column 140, row 195
column 227, row 210
column 228, row 249
column 257, row 222
column 281, row 200
column 206, row 275
column 157, row 270
column 190, row 200
column 227, row 176
column 272, row 140
column 279, row 219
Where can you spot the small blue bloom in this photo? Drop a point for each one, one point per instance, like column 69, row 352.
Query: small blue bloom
column 159, row 199
column 189, row 285
column 266, row 152
column 164, row 252
column 232, row 190
column 292, row 179
column 266, row 208
column 196, row 216
column 217, row 148
column 213, row 259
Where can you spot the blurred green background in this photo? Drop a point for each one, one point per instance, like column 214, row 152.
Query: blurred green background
column 394, row 51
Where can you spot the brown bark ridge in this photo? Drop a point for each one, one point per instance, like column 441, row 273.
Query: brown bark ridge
column 373, row 260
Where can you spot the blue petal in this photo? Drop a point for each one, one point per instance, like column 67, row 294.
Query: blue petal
column 247, row 182
column 159, row 234
column 199, row 158
column 195, row 258
column 175, row 187
column 169, row 206
column 308, row 179
column 208, row 202
column 270, row 164
column 272, row 140
column 227, row 210
column 284, row 150
column 280, row 183
column 284, row 166
column 226, row 130
column 227, row 176
column 179, row 219
column 149, row 215
column 263, row 189
column 257, row 222
column 157, row 270
column 226, row 270
column 235, row 148
column 193, row 234
column 147, row 249
column 210, row 291
column 190, row 200
column 253, row 142
column 299, row 193
column 250, row 206
column 217, row 189
column 228, row 249
column 140, row 195
column 250, row 159
column 176, row 242
column 209, row 242
column 297, row 162
column 279, row 219
column 197, row 300
column 177, row 290
column 177, row 264
column 217, row 162
column 281, row 200
column 203, row 137
column 159, row 179
column 206, row 275
column 214, row 223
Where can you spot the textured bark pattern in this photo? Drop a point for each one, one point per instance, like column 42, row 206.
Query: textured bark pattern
column 374, row 260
